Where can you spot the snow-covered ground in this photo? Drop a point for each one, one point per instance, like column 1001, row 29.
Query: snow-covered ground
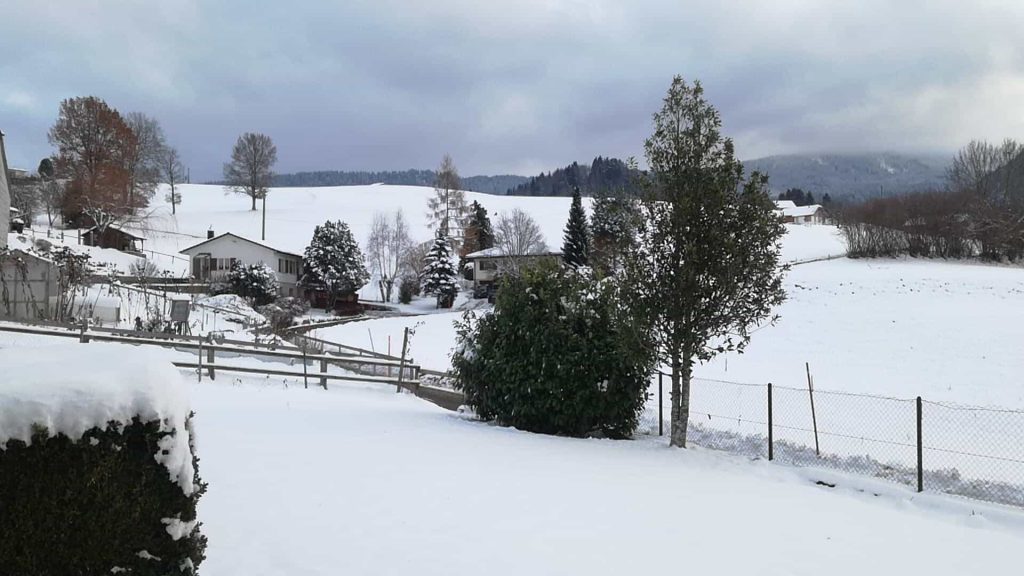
column 364, row 481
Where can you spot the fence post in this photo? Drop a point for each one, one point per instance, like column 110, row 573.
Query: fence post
column 401, row 362
column 661, row 403
column 305, row 374
column 771, row 431
column 209, row 360
column 814, row 417
column 323, row 370
column 920, row 450
column 200, row 370
column 85, row 326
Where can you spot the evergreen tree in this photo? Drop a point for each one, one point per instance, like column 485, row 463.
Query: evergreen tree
column 706, row 268
column 439, row 275
column 333, row 261
column 256, row 283
column 809, row 199
column 614, row 227
column 479, row 232
column 576, row 245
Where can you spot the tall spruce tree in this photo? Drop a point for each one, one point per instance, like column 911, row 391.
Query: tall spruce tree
column 333, row 261
column 706, row 267
column 479, row 233
column 576, row 245
column 440, row 278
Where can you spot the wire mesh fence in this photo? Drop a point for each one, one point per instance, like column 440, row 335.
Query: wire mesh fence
column 962, row 450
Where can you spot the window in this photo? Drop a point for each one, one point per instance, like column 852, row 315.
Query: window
column 488, row 265
column 280, row 265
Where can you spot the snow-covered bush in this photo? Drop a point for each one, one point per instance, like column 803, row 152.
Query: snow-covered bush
column 98, row 471
column 333, row 262
column 559, row 355
column 282, row 312
column 257, row 283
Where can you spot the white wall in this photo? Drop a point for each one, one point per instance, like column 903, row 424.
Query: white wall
column 5, row 196
column 247, row 254
column 31, row 283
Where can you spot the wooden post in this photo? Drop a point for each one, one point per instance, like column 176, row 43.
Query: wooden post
column 209, row 360
column 323, row 370
column 200, row 360
column 305, row 374
column 85, row 326
column 814, row 417
column 771, row 446
column 920, row 450
column 661, row 403
column 401, row 362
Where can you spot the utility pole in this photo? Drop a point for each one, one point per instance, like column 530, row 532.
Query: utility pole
column 263, row 232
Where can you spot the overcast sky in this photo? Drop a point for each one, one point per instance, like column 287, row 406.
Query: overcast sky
column 513, row 87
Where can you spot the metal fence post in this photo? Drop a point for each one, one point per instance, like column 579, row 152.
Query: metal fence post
column 771, row 444
column 661, row 403
column 920, row 450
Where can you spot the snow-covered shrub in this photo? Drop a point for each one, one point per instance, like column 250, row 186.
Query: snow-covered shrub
column 408, row 287
column 98, row 470
column 257, row 283
column 282, row 312
column 559, row 355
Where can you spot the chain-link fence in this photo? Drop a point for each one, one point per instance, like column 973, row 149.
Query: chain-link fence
column 963, row 450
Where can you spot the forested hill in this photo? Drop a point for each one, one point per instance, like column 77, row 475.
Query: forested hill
column 487, row 184
column 603, row 175
column 852, row 175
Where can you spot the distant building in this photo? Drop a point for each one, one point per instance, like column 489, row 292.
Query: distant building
column 115, row 238
column 213, row 259
column 793, row 214
column 486, row 264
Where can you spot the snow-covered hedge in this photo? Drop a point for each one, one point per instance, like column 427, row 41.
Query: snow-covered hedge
column 98, row 472
column 559, row 355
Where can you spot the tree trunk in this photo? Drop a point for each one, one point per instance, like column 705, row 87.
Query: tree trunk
column 253, row 196
column 682, row 371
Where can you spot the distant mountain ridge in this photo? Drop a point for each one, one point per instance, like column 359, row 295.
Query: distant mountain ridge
column 852, row 175
column 487, row 184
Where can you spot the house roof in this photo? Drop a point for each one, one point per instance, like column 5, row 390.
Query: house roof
column 216, row 238
column 498, row 252
column 784, row 204
column 118, row 229
column 799, row 211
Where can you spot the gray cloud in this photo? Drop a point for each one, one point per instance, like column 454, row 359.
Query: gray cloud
column 514, row 86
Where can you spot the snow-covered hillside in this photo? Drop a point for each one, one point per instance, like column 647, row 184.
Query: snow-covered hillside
column 293, row 213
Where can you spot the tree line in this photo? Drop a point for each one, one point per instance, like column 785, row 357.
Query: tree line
column 978, row 214
column 498, row 184
column 602, row 176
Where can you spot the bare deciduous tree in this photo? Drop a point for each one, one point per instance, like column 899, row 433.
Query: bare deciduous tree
column 143, row 157
column 250, row 169
column 174, row 173
column 387, row 245
column 516, row 234
column 446, row 209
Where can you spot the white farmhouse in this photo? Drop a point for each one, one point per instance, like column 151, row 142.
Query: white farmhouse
column 29, row 281
column 793, row 214
column 213, row 258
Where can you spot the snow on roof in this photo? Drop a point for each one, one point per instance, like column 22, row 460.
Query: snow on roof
column 798, row 211
column 118, row 229
column 498, row 252
column 108, row 382
column 261, row 245
column 784, row 204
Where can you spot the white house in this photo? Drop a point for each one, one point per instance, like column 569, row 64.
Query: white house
column 793, row 214
column 213, row 258
column 486, row 263
column 29, row 280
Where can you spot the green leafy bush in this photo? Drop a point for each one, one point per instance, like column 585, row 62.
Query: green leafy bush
column 559, row 355
column 256, row 283
column 101, row 504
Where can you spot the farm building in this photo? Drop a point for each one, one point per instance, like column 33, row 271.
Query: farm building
column 213, row 258
column 813, row 214
column 486, row 264
column 114, row 237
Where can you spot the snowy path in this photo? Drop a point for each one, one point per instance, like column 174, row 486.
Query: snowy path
column 359, row 480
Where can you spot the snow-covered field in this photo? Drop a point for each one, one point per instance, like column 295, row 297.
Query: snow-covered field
column 359, row 480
